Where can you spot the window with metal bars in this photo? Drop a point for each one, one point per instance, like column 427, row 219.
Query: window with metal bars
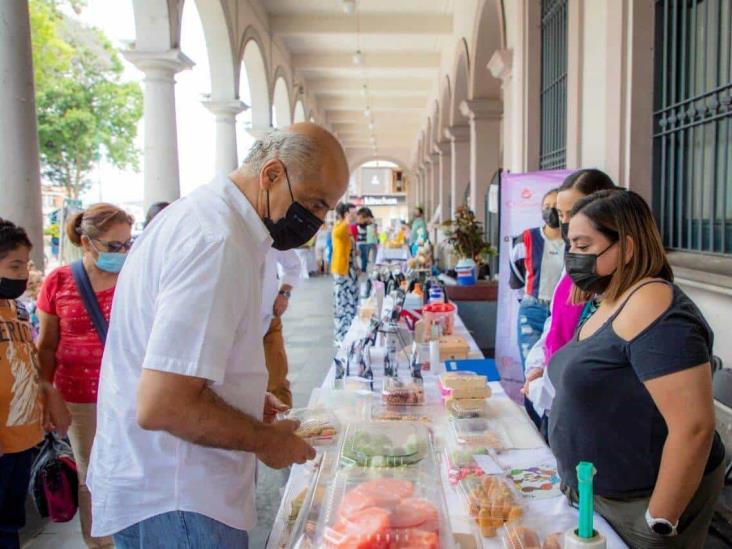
column 553, row 150
column 692, row 119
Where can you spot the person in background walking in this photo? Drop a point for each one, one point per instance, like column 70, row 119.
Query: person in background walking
column 372, row 238
column 28, row 405
column 364, row 218
column 70, row 344
column 419, row 227
column 537, row 261
column 345, row 288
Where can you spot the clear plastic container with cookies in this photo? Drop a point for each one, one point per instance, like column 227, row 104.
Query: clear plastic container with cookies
column 385, row 444
column 402, row 392
column 491, row 502
column 543, row 532
column 482, row 432
column 384, row 509
column 468, row 408
column 318, row 426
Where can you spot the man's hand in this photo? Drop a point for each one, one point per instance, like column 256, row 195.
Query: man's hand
column 280, row 305
column 56, row 416
column 531, row 375
column 272, row 407
column 283, row 447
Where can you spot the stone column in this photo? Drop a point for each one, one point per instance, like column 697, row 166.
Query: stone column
column 419, row 200
column 20, row 178
column 434, row 182
column 485, row 127
column 227, row 159
column 161, row 175
column 459, row 137
column 427, row 188
column 444, row 184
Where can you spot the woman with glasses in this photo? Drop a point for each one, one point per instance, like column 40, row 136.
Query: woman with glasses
column 73, row 329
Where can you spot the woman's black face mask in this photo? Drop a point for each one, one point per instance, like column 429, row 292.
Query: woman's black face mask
column 297, row 226
column 551, row 217
column 582, row 269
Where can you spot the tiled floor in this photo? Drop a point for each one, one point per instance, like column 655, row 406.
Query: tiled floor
column 308, row 328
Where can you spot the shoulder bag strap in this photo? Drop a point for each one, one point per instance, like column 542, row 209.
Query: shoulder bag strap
column 83, row 284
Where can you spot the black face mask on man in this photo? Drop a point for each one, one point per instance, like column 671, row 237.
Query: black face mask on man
column 12, row 288
column 297, row 226
column 582, row 269
column 551, row 217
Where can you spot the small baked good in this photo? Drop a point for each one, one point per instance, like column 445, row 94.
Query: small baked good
column 521, row 537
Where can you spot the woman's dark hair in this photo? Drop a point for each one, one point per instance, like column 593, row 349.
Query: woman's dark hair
column 587, row 181
column 419, row 210
column 550, row 192
column 342, row 209
column 154, row 210
column 12, row 237
column 95, row 221
column 621, row 216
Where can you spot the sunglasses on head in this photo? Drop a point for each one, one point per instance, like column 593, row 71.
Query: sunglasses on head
column 116, row 246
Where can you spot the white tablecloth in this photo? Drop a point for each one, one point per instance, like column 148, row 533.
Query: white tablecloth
column 514, row 420
column 385, row 254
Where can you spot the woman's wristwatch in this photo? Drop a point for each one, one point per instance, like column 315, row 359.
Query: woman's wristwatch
column 661, row 526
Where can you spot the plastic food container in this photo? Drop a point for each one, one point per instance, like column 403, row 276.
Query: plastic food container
column 480, row 432
column 384, row 510
column 318, row 426
column 402, row 392
column 542, row 532
column 384, row 444
column 442, row 314
column 469, row 408
column 461, row 461
column 491, row 502
column 384, row 412
column 449, row 379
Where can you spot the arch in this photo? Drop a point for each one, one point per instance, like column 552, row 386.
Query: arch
column 460, row 81
column 298, row 114
column 312, row 116
column 358, row 161
column 157, row 25
column 281, row 111
column 488, row 36
column 427, row 143
column 436, row 136
column 220, row 50
column 445, row 103
column 253, row 79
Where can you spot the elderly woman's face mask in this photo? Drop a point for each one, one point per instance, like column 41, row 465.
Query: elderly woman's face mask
column 297, row 227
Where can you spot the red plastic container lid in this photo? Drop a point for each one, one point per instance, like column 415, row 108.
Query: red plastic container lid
column 439, row 308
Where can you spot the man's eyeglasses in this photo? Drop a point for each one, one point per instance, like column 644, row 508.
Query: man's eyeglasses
column 116, row 246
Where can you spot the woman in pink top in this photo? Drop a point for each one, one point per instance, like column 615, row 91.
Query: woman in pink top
column 565, row 316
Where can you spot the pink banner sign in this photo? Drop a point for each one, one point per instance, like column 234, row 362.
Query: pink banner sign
column 520, row 209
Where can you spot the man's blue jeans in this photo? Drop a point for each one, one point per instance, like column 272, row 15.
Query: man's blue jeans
column 182, row 530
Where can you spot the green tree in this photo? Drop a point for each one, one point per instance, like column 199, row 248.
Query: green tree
column 85, row 111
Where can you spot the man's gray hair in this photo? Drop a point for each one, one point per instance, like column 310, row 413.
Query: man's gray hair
column 298, row 153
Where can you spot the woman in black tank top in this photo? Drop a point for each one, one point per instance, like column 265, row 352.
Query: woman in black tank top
column 633, row 389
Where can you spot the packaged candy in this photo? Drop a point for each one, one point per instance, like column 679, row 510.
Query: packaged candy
column 385, row 510
column 318, row 426
column 468, row 408
column 398, row 392
column 491, row 502
column 461, row 461
column 385, row 412
column 480, row 432
column 384, row 444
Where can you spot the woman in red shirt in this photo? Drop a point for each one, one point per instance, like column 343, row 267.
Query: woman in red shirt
column 70, row 350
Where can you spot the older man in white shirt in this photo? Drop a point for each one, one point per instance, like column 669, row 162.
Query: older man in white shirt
column 282, row 274
column 182, row 413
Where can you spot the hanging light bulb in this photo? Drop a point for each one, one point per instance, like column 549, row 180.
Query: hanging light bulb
column 358, row 58
column 371, row 125
column 367, row 111
column 349, row 6
column 364, row 90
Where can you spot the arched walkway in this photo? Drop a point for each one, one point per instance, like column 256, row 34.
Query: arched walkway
column 254, row 71
column 281, row 112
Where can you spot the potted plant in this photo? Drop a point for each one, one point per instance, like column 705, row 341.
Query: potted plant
column 465, row 234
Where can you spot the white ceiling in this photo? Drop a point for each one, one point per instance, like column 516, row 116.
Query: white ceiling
column 401, row 43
